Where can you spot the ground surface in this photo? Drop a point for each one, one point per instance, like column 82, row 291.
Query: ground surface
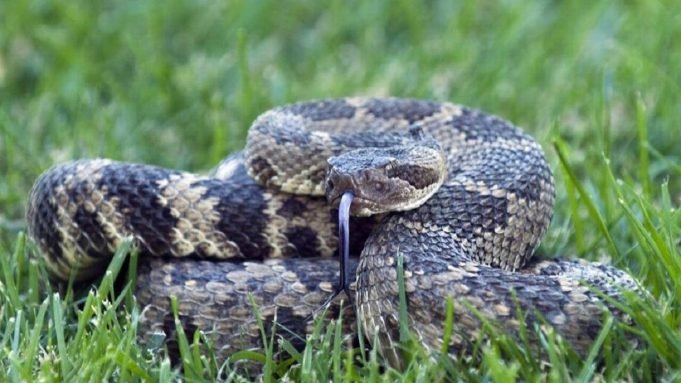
column 177, row 84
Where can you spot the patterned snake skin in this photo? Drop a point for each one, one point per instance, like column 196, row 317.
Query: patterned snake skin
column 471, row 241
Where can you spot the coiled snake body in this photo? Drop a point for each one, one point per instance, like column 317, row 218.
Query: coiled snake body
column 472, row 240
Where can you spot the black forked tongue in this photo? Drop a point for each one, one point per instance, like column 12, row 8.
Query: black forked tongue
column 344, row 242
column 343, row 252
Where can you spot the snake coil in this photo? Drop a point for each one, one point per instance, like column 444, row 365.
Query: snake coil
column 472, row 240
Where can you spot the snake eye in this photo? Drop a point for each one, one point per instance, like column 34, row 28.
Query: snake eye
column 379, row 186
column 329, row 184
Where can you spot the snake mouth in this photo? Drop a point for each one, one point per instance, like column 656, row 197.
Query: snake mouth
column 360, row 207
column 364, row 202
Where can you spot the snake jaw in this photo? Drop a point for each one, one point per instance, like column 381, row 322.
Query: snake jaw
column 338, row 184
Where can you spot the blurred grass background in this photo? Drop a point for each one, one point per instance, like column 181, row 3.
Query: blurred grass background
column 177, row 83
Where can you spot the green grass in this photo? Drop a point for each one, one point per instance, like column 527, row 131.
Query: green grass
column 176, row 83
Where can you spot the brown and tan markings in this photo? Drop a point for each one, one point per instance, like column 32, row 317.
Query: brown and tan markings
column 259, row 228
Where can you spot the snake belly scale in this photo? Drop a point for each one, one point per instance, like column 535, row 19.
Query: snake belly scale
column 260, row 228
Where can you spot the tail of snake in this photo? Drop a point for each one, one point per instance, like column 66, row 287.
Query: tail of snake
column 260, row 228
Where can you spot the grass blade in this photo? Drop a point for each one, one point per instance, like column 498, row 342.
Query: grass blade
column 586, row 199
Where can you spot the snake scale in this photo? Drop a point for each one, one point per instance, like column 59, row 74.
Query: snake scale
column 260, row 228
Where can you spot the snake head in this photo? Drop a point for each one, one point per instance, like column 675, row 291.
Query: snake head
column 386, row 179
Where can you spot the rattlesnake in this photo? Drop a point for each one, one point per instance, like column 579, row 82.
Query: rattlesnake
column 472, row 240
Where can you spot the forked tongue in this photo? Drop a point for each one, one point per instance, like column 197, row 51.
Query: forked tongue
column 343, row 252
column 344, row 241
